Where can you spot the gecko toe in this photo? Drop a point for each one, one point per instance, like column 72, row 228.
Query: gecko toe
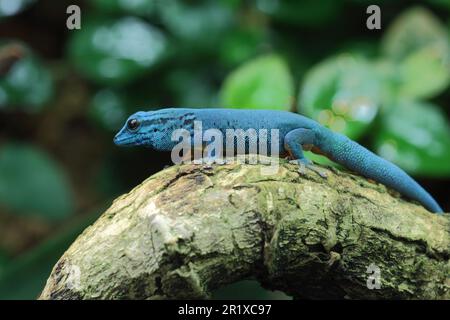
column 305, row 163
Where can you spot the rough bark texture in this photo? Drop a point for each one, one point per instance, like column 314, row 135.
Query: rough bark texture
column 192, row 228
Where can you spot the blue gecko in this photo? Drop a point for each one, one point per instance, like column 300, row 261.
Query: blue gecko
column 296, row 133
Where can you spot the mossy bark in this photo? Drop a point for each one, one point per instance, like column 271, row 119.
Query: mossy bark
column 192, row 228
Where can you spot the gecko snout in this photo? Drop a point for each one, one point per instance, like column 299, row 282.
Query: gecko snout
column 122, row 139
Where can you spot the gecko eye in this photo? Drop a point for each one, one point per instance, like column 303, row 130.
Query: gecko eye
column 133, row 124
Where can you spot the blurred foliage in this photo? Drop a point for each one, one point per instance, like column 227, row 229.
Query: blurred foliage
column 28, row 83
column 31, row 183
column 25, row 277
column 419, row 46
column 422, row 126
column 63, row 94
column 263, row 83
column 135, row 7
column 414, row 29
column 195, row 26
column 343, row 93
column 108, row 107
column 12, row 7
column 302, row 13
column 104, row 51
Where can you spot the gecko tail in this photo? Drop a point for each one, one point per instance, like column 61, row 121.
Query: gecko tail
column 357, row 158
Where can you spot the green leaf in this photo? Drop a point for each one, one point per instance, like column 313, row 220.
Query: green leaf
column 262, row 83
column 342, row 93
column 415, row 29
column 116, row 51
column 418, row 43
column 27, row 86
column 321, row 159
column 415, row 136
column 33, row 184
column 424, row 74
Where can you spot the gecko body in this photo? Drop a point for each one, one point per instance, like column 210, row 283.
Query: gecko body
column 296, row 133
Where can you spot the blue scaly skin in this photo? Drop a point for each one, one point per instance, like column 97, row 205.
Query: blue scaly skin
column 296, row 133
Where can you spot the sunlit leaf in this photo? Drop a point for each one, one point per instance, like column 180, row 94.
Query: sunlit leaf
column 342, row 93
column 390, row 79
column 415, row 136
column 262, row 83
column 116, row 51
column 423, row 74
column 33, row 184
column 415, row 29
column 27, row 84
column 320, row 159
column 419, row 45
column 12, row 7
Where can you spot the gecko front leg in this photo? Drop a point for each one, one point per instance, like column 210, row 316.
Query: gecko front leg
column 295, row 142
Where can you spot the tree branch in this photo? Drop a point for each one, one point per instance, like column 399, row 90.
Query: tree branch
column 192, row 228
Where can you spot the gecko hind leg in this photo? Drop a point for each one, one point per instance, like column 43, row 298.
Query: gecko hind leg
column 294, row 142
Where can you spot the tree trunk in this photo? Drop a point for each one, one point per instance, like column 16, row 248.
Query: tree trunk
column 190, row 229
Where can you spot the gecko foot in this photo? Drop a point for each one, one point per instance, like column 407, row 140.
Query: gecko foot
column 308, row 164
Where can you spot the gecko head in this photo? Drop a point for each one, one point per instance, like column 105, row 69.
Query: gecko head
column 133, row 131
column 154, row 129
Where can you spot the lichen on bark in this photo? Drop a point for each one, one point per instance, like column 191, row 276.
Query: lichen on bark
column 190, row 229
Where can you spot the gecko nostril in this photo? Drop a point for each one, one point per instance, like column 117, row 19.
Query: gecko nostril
column 116, row 138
